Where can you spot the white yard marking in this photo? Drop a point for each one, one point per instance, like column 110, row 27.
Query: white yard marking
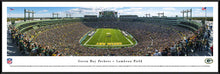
column 117, row 36
column 129, row 41
column 90, row 37
column 100, row 35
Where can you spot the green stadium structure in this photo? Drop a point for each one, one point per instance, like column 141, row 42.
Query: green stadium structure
column 109, row 37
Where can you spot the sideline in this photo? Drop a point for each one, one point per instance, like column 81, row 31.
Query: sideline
column 90, row 38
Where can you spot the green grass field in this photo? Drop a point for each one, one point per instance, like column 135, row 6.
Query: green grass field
column 107, row 37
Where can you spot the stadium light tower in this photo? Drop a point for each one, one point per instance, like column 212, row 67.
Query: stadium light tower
column 66, row 15
column 148, row 15
column 70, row 15
column 160, row 14
column 27, row 11
column 187, row 11
column 24, row 14
column 55, row 14
column 183, row 13
column 33, row 14
column 190, row 14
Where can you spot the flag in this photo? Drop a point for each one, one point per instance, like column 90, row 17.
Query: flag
column 203, row 8
column 11, row 9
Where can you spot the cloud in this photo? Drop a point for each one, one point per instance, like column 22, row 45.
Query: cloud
column 43, row 11
column 83, row 8
column 169, row 9
column 89, row 10
column 198, row 9
column 15, row 15
column 95, row 10
column 78, row 10
column 140, row 11
column 132, row 11
column 35, row 15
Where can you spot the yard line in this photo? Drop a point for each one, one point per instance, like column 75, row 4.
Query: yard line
column 105, row 35
column 90, row 37
column 117, row 35
column 129, row 41
column 100, row 35
column 111, row 35
column 111, row 38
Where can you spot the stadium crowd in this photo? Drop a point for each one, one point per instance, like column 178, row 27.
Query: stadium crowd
column 196, row 43
column 28, row 47
column 154, row 39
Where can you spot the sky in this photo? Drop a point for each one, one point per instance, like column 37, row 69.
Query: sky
column 81, row 11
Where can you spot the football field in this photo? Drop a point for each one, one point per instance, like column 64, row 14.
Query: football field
column 107, row 37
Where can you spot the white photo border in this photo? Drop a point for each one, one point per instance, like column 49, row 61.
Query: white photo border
column 73, row 60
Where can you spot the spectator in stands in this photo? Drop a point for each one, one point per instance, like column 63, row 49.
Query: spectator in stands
column 157, row 53
column 173, row 50
column 211, row 48
column 67, row 35
column 164, row 52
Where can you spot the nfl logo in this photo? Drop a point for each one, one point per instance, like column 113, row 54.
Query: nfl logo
column 9, row 60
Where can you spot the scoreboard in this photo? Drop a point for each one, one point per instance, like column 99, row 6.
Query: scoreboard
column 108, row 14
